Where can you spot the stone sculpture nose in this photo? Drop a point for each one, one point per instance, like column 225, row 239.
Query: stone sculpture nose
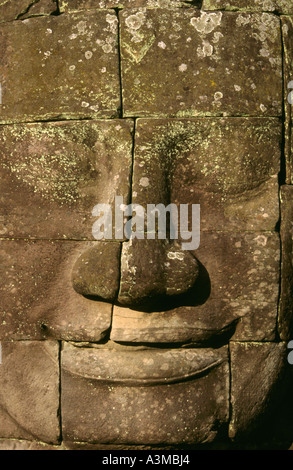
column 136, row 272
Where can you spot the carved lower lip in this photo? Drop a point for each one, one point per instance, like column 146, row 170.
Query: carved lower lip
column 140, row 367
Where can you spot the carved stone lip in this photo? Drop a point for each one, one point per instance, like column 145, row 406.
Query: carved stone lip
column 182, row 325
column 140, row 367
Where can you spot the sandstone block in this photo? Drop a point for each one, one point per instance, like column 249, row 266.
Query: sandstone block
column 285, row 307
column 14, row 9
column 191, row 161
column 29, row 392
column 54, row 174
column 38, row 299
column 74, row 5
column 60, row 67
column 287, row 29
column 225, row 63
column 256, row 370
column 280, row 6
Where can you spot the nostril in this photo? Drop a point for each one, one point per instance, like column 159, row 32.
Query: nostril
column 96, row 273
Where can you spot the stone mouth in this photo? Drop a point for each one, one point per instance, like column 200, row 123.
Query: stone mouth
column 141, row 367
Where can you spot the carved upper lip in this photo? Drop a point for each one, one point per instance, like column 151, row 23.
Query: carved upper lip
column 140, row 367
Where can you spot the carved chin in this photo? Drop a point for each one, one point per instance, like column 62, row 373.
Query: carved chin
column 146, row 396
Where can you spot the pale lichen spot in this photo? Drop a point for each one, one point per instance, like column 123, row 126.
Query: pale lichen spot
column 107, row 48
column 162, row 45
column 135, row 21
column 261, row 240
column 243, row 20
column 111, row 19
column 176, row 255
column 207, row 22
column 218, row 95
column 285, row 28
column 237, row 87
column 81, row 27
column 264, row 52
column 217, row 37
column 144, row 181
column 95, row 108
column 182, row 67
column 206, row 50
column 88, row 55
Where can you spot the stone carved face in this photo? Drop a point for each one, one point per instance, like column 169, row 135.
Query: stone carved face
column 159, row 346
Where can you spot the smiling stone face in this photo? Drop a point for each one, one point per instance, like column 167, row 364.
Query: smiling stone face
column 182, row 347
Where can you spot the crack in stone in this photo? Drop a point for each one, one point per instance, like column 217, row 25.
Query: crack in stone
column 27, row 9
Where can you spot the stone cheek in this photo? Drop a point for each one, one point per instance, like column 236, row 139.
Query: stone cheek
column 63, row 67
column 37, row 296
column 225, row 63
column 257, row 370
column 29, row 391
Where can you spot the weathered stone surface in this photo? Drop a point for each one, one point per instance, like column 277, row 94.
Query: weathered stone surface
column 285, row 319
column 191, row 162
column 256, row 370
column 53, row 174
column 63, row 67
column 14, row 444
column 96, row 273
column 110, row 447
column 40, row 8
column 29, row 391
column 190, row 411
column 237, row 287
column 155, row 271
column 74, row 5
column 13, row 9
column 280, row 6
column 287, row 29
column 206, row 76
column 37, row 296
